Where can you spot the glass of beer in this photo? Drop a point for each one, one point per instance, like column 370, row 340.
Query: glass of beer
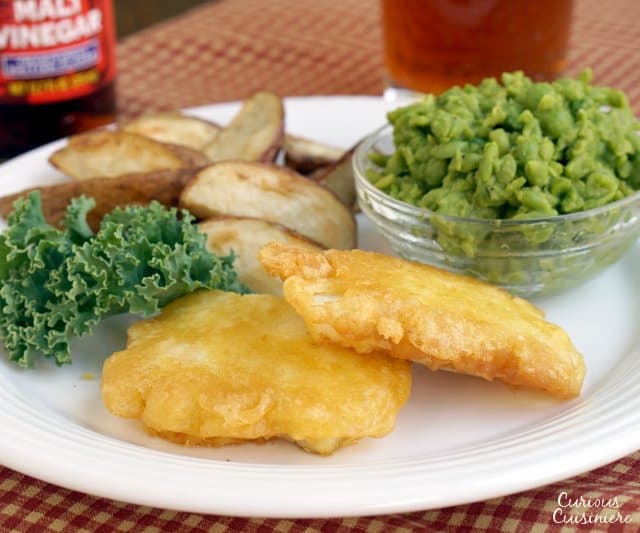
column 431, row 45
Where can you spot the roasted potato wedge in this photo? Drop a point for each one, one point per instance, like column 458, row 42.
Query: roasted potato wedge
column 254, row 134
column 245, row 237
column 338, row 178
column 304, row 155
column 272, row 193
column 164, row 186
column 175, row 128
column 189, row 157
column 106, row 153
column 301, row 154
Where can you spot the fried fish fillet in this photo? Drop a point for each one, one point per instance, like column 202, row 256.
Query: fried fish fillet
column 372, row 303
column 217, row 368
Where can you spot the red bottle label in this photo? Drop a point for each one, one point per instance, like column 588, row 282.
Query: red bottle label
column 55, row 50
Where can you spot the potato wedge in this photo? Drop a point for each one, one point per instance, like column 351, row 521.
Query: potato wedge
column 164, row 186
column 245, row 237
column 255, row 133
column 304, row 155
column 338, row 178
column 272, row 193
column 106, row 153
column 175, row 128
column 189, row 157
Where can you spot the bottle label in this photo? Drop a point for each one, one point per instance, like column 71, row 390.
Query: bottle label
column 55, row 50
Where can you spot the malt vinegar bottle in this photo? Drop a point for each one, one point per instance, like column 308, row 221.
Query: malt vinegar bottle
column 57, row 70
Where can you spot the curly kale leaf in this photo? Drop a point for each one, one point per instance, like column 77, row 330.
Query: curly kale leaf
column 56, row 284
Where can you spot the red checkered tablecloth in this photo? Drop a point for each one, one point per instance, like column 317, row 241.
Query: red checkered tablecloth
column 228, row 49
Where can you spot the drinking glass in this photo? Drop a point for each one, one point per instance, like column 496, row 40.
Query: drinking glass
column 431, row 45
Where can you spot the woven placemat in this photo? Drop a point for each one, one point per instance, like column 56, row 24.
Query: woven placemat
column 27, row 504
column 230, row 49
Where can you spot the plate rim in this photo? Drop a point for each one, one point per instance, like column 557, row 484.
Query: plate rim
column 314, row 498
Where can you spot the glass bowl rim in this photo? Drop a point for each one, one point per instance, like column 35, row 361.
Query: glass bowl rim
column 360, row 159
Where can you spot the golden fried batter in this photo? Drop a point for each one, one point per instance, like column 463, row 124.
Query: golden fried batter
column 217, row 368
column 372, row 303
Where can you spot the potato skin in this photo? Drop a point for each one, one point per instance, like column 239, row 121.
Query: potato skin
column 174, row 128
column 254, row 134
column 164, row 186
column 272, row 193
column 111, row 153
column 306, row 156
column 245, row 236
column 338, row 178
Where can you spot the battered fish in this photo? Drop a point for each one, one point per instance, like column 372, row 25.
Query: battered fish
column 217, row 368
column 373, row 302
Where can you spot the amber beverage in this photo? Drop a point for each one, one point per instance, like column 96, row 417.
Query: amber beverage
column 431, row 45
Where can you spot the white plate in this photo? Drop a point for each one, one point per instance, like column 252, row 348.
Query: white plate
column 458, row 440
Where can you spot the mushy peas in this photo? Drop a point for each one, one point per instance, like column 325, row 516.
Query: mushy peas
column 513, row 149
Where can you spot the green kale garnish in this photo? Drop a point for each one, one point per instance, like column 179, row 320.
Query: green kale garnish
column 56, row 284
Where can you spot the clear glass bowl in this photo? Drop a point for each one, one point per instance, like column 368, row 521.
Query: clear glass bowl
column 527, row 257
